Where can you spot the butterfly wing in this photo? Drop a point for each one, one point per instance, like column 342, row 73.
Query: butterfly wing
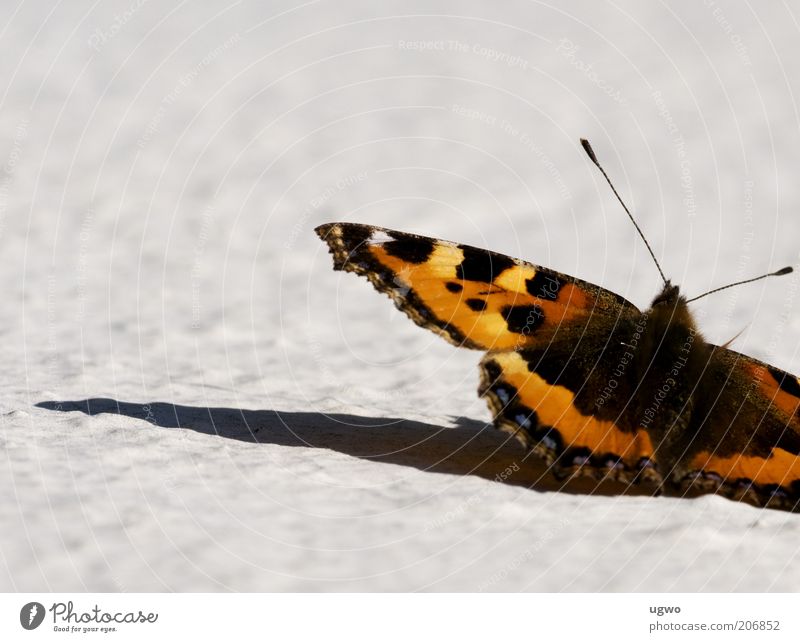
column 749, row 447
column 545, row 333
column 473, row 298
column 555, row 344
column 558, row 402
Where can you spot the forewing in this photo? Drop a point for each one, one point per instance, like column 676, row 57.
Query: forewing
column 472, row 297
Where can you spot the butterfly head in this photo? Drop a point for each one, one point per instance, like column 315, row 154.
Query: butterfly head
column 669, row 296
column 670, row 310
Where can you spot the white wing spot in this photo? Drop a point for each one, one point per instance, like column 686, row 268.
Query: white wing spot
column 378, row 237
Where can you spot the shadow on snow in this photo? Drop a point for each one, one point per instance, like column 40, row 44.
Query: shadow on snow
column 470, row 448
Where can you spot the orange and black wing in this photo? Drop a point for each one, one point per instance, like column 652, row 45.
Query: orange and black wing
column 473, row 298
column 548, row 338
column 550, row 400
column 749, row 445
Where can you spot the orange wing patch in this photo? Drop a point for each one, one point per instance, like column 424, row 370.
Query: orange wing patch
column 772, row 481
column 781, row 388
column 544, row 418
column 473, row 298
column 779, row 468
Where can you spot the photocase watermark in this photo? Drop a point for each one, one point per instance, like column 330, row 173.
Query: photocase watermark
column 783, row 318
column 460, row 47
column 317, row 201
column 31, row 615
column 149, row 417
column 491, row 54
column 84, row 236
column 66, row 619
column 529, row 143
column 472, row 500
column 153, row 126
column 199, row 250
column 10, row 168
column 745, row 248
column 521, row 136
column 727, row 28
column 323, row 372
column 474, row 114
column 670, row 381
column 687, row 184
column 625, row 360
column 570, row 50
column 101, row 36
column 52, row 343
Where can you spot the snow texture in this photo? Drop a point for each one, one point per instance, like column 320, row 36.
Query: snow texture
column 194, row 401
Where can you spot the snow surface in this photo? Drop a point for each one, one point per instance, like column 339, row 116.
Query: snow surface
column 192, row 398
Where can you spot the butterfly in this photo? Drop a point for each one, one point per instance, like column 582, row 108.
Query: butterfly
column 587, row 381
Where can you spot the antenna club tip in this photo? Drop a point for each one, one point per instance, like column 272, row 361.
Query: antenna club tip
column 588, row 149
column 787, row 270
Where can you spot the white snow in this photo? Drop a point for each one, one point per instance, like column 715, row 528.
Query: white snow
column 162, row 166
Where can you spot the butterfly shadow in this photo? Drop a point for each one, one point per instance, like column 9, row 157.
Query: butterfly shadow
column 469, row 448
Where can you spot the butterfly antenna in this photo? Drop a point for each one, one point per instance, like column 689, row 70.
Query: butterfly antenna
column 590, row 152
column 733, row 338
column 781, row 272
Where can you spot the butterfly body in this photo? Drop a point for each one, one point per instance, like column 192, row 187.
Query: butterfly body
column 586, row 380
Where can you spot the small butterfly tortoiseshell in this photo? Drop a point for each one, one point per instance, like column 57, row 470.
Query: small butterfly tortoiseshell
column 588, row 382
